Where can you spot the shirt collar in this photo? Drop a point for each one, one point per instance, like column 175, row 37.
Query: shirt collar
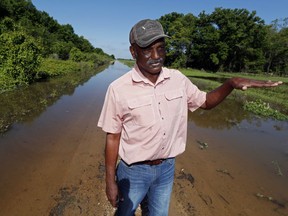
column 137, row 76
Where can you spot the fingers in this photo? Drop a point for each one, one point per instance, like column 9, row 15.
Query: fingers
column 244, row 88
column 112, row 196
column 259, row 84
column 276, row 83
column 112, row 193
column 114, row 199
column 272, row 84
column 115, row 202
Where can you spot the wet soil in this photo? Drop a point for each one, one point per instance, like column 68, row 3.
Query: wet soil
column 54, row 165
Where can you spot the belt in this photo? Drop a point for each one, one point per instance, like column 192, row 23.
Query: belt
column 147, row 162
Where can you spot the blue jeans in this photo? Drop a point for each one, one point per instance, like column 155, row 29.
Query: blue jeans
column 154, row 183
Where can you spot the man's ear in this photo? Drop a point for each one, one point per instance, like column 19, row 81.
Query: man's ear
column 133, row 53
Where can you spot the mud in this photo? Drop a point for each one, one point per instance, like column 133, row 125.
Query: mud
column 54, row 165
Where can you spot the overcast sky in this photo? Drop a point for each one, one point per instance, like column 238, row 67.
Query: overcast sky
column 106, row 24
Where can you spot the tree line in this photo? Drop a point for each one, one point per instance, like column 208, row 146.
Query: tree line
column 232, row 40
column 27, row 36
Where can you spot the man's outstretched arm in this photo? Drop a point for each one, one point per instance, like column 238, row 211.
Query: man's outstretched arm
column 216, row 96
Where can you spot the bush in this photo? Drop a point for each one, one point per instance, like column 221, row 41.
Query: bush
column 19, row 59
column 53, row 67
column 261, row 108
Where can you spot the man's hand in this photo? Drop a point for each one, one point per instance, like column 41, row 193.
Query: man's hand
column 216, row 96
column 243, row 83
column 112, row 193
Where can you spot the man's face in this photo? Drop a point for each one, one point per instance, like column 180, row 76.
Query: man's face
column 150, row 59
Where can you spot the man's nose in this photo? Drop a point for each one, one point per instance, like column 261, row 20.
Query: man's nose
column 155, row 54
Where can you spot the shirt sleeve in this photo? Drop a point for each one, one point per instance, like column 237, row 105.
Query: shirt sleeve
column 109, row 119
column 195, row 97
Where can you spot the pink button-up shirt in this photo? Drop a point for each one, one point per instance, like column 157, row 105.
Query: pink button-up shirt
column 152, row 118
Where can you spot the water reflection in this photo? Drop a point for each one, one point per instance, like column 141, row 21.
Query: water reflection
column 226, row 115
column 230, row 114
column 24, row 105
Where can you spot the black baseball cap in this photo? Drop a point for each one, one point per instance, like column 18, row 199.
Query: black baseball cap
column 145, row 32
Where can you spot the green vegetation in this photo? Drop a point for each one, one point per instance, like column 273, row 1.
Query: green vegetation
column 20, row 58
column 129, row 63
column 263, row 101
column 232, row 40
column 34, row 46
column 263, row 109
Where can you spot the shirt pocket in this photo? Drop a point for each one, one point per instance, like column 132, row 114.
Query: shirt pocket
column 174, row 101
column 142, row 111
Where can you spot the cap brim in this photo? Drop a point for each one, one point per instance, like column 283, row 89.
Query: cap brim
column 151, row 40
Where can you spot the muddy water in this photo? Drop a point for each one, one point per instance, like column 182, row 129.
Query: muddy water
column 36, row 152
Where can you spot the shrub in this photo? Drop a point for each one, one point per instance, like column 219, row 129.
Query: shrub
column 20, row 58
column 261, row 108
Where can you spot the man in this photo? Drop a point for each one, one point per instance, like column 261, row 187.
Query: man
column 145, row 118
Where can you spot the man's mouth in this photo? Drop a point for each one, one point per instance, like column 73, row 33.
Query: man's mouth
column 156, row 64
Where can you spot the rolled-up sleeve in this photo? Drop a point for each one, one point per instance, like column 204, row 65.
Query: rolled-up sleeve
column 110, row 120
column 195, row 97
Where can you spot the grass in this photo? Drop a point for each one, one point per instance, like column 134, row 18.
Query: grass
column 270, row 102
column 53, row 67
column 129, row 63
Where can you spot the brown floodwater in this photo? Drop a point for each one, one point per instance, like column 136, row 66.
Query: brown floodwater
column 37, row 119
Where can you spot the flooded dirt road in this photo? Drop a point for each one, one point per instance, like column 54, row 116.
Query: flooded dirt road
column 53, row 164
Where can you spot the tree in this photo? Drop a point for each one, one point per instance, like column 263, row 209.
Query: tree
column 62, row 49
column 20, row 58
column 230, row 40
column 207, row 50
column 276, row 49
column 5, row 6
column 179, row 28
column 242, row 35
column 76, row 55
column 27, row 35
